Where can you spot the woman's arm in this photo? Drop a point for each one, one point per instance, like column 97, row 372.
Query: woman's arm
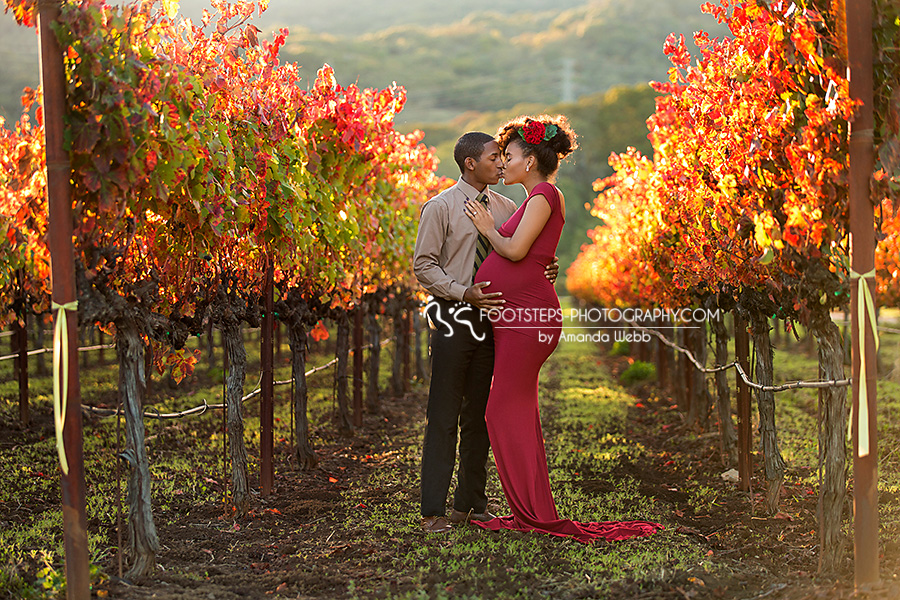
column 516, row 247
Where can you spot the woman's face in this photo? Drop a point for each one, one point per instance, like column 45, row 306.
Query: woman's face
column 514, row 163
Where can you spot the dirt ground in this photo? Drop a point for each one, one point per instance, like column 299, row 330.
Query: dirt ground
column 299, row 544
column 301, row 541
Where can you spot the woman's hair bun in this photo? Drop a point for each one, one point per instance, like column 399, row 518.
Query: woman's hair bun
column 563, row 143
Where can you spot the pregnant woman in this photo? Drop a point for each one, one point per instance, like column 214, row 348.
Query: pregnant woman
column 528, row 327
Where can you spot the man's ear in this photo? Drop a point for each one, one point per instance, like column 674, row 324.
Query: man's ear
column 470, row 163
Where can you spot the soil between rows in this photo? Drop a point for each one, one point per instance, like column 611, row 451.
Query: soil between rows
column 307, row 540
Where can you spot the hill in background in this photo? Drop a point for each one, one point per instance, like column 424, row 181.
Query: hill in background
column 357, row 17
column 19, row 57
column 488, row 61
column 452, row 57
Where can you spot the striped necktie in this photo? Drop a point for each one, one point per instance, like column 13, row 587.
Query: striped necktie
column 482, row 246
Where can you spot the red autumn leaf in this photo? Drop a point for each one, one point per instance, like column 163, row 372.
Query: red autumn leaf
column 319, row 332
column 28, row 97
column 92, row 180
column 250, row 34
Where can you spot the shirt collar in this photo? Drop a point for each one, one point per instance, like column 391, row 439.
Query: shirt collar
column 470, row 191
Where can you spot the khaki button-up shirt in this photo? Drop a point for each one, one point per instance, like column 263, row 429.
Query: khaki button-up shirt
column 445, row 245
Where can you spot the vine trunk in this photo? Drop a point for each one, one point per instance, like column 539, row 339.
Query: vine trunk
column 143, row 541
column 774, row 462
column 727, row 433
column 343, row 357
column 833, row 416
column 303, row 450
column 373, row 363
column 236, row 355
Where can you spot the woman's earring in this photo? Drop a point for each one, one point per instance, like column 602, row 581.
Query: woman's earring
column 528, row 167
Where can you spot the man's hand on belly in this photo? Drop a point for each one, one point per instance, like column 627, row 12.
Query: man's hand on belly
column 479, row 299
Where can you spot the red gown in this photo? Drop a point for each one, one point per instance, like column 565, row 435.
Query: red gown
column 526, row 331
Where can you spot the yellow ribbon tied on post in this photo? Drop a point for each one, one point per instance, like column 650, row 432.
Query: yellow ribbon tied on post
column 865, row 305
column 61, row 367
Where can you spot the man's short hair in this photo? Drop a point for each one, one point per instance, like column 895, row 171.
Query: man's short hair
column 470, row 145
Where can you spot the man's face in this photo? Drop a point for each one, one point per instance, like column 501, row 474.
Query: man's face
column 489, row 168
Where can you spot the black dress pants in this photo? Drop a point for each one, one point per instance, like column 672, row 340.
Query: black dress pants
column 462, row 365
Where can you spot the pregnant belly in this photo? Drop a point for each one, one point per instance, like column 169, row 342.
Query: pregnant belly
column 531, row 301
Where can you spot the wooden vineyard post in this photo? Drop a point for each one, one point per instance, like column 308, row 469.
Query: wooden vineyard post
column 278, row 341
column 663, row 357
column 267, row 386
column 101, row 356
column 373, row 365
column 862, row 305
column 658, row 357
column 342, row 352
column 64, row 301
column 358, row 366
column 742, row 353
column 407, row 347
column 148, row 370
column 418, row 331
column 21, row 337
column 643, row 347
column 687, row 371
column 22, row 360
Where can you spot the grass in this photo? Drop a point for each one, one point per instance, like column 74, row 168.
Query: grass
column 637, row 372
column 358, row 536
column 585, row 435
column 185, row 458
column 796, row 409
column 796, row 420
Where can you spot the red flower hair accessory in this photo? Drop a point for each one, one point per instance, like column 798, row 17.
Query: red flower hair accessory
column 535, row 132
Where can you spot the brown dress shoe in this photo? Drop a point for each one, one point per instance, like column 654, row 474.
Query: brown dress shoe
column 458, row 516
column 436, row 524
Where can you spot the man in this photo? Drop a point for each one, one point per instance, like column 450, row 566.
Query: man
column 462, row 349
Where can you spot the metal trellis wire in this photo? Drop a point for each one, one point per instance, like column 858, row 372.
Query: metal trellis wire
column 740, row 370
